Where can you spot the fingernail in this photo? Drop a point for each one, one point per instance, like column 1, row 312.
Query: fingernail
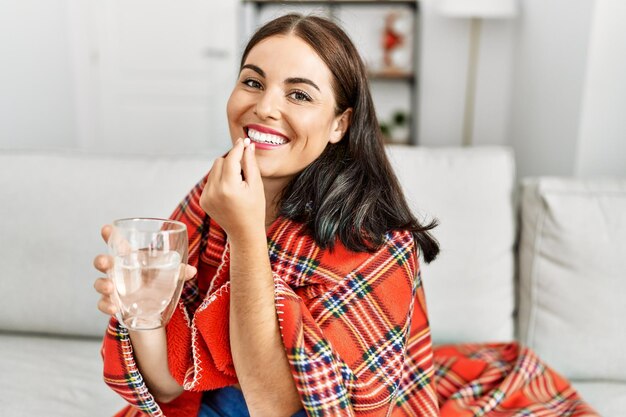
column 246, row 142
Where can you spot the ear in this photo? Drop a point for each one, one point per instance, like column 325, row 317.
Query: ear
column 340, row 125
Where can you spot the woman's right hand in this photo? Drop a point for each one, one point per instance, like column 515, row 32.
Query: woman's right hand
column 104, row 285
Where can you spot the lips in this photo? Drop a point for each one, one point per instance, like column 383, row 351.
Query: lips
column 265, row 137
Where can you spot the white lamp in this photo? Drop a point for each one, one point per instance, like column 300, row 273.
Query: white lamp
column 476, row 10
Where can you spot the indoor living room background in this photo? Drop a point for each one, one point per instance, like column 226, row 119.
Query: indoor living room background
column 106, row 104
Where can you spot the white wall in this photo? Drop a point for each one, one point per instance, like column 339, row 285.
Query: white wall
column 569, row 92
column 44, row 68
column 55, row 74
column 550, row 63
column 492, row 118
column 443, row 74
column 550, row 82
column 602, row 138
column 443, row 66
column 36, row 97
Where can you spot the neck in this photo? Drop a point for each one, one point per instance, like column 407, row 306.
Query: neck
column 273, row 189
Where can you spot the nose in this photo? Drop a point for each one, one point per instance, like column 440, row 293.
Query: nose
column 268, row 105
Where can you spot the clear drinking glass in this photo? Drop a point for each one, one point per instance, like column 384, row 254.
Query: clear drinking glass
column 149, row 257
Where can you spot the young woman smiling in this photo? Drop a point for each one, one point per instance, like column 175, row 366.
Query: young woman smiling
column 304, row 295
column 308, row 166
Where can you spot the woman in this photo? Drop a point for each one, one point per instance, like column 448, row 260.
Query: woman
column 308, row 298
column 312, row 168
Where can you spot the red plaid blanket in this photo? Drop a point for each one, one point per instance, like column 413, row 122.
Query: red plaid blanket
column 355, row 330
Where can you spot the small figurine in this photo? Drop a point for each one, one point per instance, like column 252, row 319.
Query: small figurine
column 392, row 39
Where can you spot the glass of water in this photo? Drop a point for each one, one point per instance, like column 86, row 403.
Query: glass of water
column 149, row 257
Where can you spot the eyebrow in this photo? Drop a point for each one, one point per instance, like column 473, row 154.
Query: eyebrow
column 299, row 80
column 291, row 80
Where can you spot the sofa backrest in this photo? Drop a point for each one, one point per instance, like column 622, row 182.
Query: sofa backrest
column 573, row 275
column 470, row 287
column 54, row 204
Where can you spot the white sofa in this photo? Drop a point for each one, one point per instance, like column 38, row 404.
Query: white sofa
column 552, row 275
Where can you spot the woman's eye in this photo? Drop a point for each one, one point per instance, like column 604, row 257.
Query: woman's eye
column 252, row 83
column 300, row 96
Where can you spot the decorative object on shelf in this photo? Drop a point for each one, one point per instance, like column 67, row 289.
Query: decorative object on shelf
column 475, row 10
column 396, row 44
column 391, row 39
column 397, row 129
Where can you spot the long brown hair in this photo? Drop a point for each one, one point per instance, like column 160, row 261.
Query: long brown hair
column 350, row 192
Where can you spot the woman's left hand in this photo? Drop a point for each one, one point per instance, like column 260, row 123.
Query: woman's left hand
column 236, row 203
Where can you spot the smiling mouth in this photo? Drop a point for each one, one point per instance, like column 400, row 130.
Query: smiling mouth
column 265, row 138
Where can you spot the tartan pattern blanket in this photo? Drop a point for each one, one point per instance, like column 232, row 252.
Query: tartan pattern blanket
column 356, row 333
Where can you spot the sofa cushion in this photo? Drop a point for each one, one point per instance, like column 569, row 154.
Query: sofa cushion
column 573, row 275
column 53, row 206
column 53, row 377
column 470, row 286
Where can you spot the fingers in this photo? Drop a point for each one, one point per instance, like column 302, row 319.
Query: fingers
column 106, row 306
column 232, row 163
column 104, row 286
column 250, row 168
column 103, row 263
column 106, row 232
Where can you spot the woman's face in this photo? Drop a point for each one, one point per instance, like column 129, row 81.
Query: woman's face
column 284, row 102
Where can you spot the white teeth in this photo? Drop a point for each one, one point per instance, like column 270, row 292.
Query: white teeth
column 257, row 136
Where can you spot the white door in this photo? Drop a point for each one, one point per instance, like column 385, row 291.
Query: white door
column 164, row 70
